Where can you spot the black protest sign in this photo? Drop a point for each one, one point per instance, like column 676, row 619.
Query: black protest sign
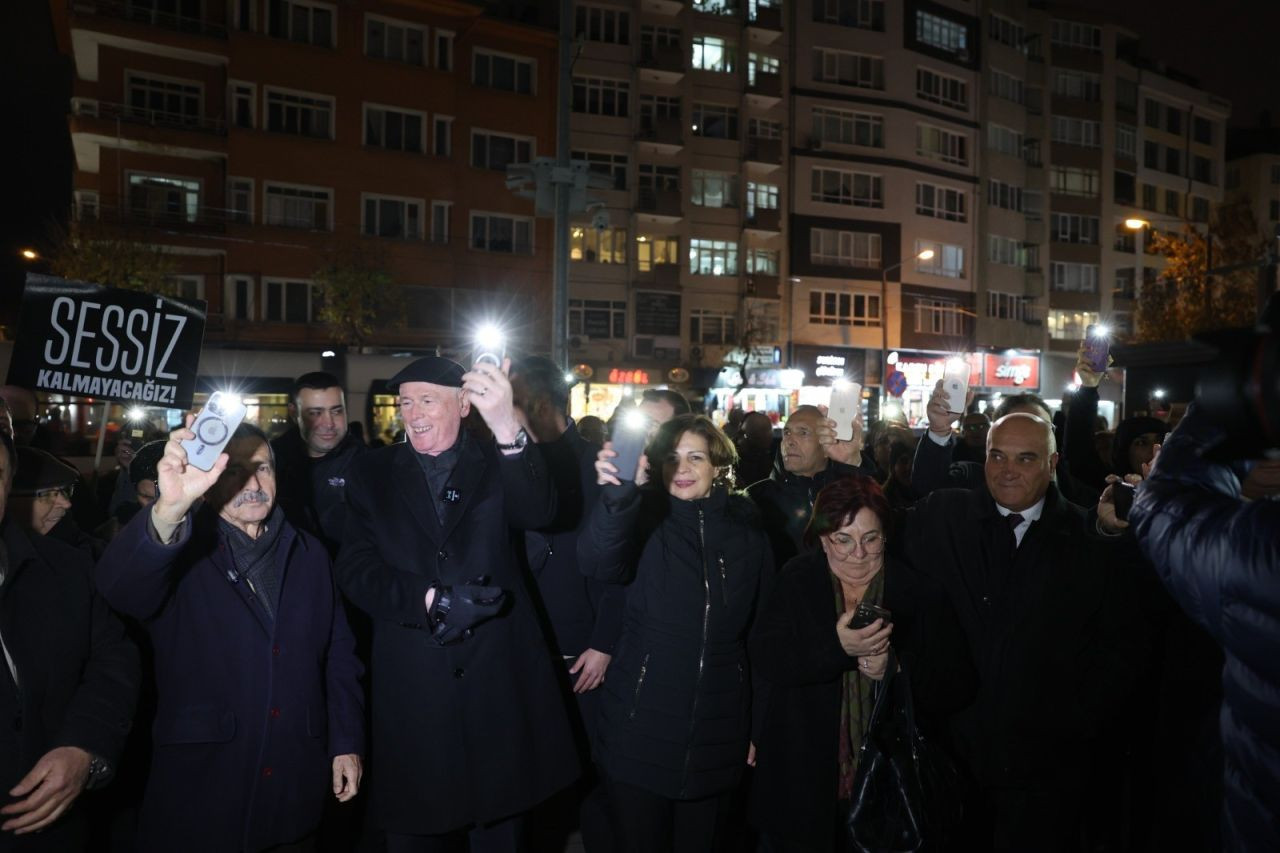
column 93, row 341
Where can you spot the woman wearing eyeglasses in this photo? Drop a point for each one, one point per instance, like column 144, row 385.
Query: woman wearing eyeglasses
column 823, row 673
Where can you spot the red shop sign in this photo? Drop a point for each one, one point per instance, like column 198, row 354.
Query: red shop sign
column 628, row 377
column 1011, row 371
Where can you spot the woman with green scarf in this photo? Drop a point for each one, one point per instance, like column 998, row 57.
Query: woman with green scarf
column 823, row 674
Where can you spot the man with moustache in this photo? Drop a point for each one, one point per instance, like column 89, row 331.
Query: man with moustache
column 1052, row 628
column 259, row 710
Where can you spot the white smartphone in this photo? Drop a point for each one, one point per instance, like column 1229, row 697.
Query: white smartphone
column 955, row 385
column 213, row 428
column 846, row 402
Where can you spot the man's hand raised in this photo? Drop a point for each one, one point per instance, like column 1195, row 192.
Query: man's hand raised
column 849, row 452
column 940, row 417
column 179, row 482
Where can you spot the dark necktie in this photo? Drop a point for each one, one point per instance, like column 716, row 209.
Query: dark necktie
column 1014, row 520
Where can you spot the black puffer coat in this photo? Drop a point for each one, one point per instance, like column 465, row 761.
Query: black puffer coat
column 676, row 708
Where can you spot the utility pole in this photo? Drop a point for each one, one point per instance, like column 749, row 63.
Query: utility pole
column 560, row 283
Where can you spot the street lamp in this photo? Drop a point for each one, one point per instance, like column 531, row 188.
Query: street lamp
column 924, row 255
column 29, row 254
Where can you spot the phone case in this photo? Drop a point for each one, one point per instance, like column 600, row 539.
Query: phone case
column 1096, row 353
column 489, row 356
column 843, row 408
column 628, row 444
column 868, row 613
column 213, row 428
column 956, row 387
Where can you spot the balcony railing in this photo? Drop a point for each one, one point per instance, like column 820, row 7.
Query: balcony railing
column 667, row 130
column 660, row 202
column 767, row 84
column 662, row 57
column 142, row 12
column 169, row 219
column 151, row 118
column 762, row 150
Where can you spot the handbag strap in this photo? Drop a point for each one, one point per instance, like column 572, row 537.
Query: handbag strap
column 883, row 688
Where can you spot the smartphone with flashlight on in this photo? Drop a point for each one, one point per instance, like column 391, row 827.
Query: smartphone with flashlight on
column 628, row 443
column 490, row 347
column 955, row 385
column 213, row 428
column 1097, row 348
column 846, row 399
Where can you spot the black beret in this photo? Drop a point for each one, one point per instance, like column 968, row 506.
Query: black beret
column 38, row 471
column 145, row 461
column 433, row 369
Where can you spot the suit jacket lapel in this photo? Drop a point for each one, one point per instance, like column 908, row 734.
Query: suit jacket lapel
column 410, row 481
column 466, row 478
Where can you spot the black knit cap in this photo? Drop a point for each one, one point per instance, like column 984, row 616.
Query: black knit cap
column 38, row 471
column 433, row 369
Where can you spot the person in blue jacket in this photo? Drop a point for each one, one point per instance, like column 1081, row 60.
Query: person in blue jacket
column 1214, row 539
column 259, row 712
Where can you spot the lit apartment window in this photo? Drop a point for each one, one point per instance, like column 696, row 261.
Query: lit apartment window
column 441, row 215
column 300, row 114
column 307, row 23
column 715, row 121
column 761, row 63
column 240, row 200
column 163, row 101
column 297, row 207
column 1069, row 325
column 713, row 189
column 497, row 232
column 1006, row 86
column 1004, row 140
column 598, row 318
column 830, row 247
column 762, row 261
column 1075, row 131
column 601, row 97
column 287, row 301
column 1080, row 85
column 388, row 216
column 938, row 317
column 940, row 202
column 712, row 327
column 838, row 308
column 847, row 127
column 863, row 14
column 941, row 33
column 603, row 24
column 715, row 7
column 1006, row 306
column 938, row 144
column 397, row 41
column 713, row 257
column 490, row 150
column 1007, row 196
column 838, row 186
column 1066, row 180
column 598, row 245
column 941, row 89
column 712, row 53
column 654, row 251
column 1006, row 251
column 442, row 136
column 761, row 197
column 444, row 50
column 502, row 72
column 947, row 260
column 607, row 165
column 1073, row 277
column 1076, row 34
column 1073, row 228
column 847, row 68
column 163, row 199
column 394, row 129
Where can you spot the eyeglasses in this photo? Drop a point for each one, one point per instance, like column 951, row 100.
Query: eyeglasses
column 976, row 427
column 872, row 543
column 52, row 494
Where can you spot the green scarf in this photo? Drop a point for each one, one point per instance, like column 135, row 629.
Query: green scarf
column 857, row 696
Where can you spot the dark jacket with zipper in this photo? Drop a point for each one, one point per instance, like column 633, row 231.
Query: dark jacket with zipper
column 251, row 709
column 312, row 492
column 676, row 709
column 786, row 503
column 794, row 645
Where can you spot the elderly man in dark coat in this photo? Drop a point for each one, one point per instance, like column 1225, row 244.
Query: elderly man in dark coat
column 470, row 729
column 68, row 683
column 259, row 710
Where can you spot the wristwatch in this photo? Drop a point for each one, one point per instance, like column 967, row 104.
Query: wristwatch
column 521, row 439
column 99, row 773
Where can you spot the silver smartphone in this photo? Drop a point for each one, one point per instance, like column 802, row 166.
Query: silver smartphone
column 632, row 432
column 213, row 428
column 955, row 385
column 846, row 400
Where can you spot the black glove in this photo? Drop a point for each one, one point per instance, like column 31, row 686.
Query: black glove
column 457, row 609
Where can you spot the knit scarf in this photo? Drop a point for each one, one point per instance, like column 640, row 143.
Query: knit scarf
column 255, row 559
column 857, row 696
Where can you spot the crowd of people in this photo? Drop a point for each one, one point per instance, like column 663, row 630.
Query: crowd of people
column 489, row 636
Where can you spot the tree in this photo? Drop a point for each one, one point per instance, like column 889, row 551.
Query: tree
column 113, row 257
column 756, row 330
column 1185, row 301
column 356, row 293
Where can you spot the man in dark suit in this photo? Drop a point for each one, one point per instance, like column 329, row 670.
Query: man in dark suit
column 258, row 714
column 1051, row 628
column 68, row 684
column 470, row 729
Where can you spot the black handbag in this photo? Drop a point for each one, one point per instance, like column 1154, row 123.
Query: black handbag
column 906, row 792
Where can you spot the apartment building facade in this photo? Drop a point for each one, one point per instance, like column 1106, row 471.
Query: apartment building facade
column 1253, row 175
column 252, row 139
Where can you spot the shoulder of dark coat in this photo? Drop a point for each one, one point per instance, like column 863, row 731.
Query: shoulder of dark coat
column 60, row 556
column 742, row 509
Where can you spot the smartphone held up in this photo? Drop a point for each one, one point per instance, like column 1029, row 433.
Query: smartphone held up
column 955, row 385
column 1097, row 347
column 628, row 444
column 846, row 401
column 213, row 427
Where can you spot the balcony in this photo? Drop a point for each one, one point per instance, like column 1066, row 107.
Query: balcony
column 661, row 276
column 664, row 135
column 170, row 219
column 764, row 24
column 128, row 114
column 188, row 20
column 763, row 155
column 657, row 205
column 766, row 90
column 765, row 220
column 763, row 285
column 662, row 63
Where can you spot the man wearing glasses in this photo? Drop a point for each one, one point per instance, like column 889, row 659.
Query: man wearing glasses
column 42, row 490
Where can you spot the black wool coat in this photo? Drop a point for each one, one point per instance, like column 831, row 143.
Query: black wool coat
column 676, row 709
column 78, row 673
column 794, row 647
column 475, row 731
column 1054, row 629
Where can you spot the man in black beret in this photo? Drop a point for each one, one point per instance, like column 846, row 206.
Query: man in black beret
column 42, row 489
column 469, row 728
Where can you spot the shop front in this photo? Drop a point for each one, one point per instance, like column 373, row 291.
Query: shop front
column 771, row 390
column 601, row 388
column 991, row 376
column 822, row 366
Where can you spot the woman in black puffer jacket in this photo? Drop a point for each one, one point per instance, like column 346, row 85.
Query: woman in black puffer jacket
column 675, row 714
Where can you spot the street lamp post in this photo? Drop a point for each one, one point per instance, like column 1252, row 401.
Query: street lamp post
column 924, row 255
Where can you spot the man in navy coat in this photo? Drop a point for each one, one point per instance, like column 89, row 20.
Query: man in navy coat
column 259, row 711
column 470, row 729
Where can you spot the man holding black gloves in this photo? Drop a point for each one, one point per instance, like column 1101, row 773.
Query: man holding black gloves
column 469, row 727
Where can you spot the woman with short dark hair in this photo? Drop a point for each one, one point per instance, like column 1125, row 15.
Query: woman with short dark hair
column 675, row 710
column 823, row 673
